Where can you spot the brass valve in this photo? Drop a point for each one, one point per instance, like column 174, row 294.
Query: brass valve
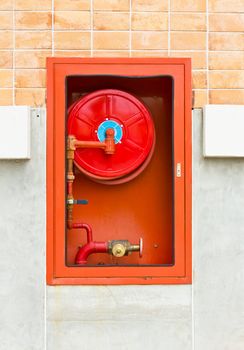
column 119, row 248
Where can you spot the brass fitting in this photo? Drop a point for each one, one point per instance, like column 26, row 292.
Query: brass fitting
column 120, row 248
column 71, row 140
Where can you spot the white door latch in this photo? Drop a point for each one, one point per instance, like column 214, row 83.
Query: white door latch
column 178, row 170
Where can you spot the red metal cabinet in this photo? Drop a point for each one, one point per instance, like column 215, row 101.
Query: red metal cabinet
column 154, row 205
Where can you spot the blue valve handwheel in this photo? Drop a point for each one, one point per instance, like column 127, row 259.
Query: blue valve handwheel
column 110, row 124
column 82, row 201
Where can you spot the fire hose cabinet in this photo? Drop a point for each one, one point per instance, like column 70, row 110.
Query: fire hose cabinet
column 118, row 171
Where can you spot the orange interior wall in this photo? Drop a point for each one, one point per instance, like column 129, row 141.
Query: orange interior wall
column 138, row 208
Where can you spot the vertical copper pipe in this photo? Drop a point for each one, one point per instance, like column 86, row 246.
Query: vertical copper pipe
column 70, row 179
column 72, row 144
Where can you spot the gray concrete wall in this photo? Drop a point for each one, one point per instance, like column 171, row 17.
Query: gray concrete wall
column 218, row 249
column 207, row 315
column 22, row 248
column 119, row 317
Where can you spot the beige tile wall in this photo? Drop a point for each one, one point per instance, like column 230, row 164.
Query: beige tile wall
column 211, row 32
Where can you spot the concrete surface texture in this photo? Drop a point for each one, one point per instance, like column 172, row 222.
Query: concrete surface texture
column 22, row 248
column 207, row 315
column 218, row 249
column 119, row 317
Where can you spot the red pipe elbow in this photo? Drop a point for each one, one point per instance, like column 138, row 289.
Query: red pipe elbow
column 88, row 249
column 86, row 227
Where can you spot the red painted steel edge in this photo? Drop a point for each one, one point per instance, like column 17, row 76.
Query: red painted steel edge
column 57, row 272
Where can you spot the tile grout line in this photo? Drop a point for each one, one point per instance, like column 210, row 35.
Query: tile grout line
column 137, row 11
column 52, row 28
column 91, row 29
column 33, row 30
column 130, row 33
column 159, row 50
column 169, row 25
column 207, row 48
column 85, row 30
column 44, row 279
column 13, row 56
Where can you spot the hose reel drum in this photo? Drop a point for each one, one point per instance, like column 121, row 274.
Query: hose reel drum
column 92, row 116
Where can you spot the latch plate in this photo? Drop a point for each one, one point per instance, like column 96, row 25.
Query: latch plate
column 178, row 170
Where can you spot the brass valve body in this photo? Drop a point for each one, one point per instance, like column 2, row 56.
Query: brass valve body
column 120, row 248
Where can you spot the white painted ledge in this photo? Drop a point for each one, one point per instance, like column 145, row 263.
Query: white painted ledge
column 223, row 131
column 15, row 132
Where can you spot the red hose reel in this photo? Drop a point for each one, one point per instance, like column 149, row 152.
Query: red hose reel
column 91, row 116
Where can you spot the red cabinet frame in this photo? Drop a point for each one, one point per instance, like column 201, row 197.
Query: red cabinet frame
column 57, row 271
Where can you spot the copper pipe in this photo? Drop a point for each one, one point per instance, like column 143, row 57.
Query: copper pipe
column 72, row 144
column 70, row 188
column 108, row 145
column 70, row 216
column 70, row 179
column 89, row 144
